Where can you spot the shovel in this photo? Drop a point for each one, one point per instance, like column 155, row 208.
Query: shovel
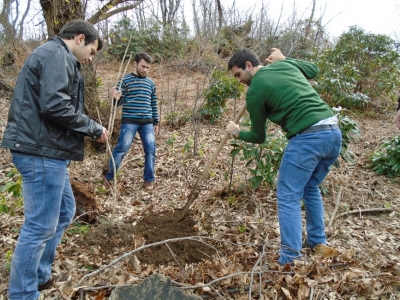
column 196, row 189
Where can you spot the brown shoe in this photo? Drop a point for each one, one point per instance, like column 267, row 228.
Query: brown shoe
column 148, row 185
column 55, row 280
column 106, row 183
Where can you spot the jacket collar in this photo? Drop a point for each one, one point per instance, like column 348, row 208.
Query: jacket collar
column 63, row 44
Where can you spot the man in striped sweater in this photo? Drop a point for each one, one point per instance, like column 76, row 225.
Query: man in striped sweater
column 137, row 95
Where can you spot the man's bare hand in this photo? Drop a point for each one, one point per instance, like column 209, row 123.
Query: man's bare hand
column 232, row 127
column 104, row 137
column 397, row 119
column 116, row 94
column 275, row 55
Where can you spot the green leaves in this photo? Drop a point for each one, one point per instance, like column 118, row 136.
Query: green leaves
column 262, row 160
column 386, row 160
column 11, row 192
column 222, row 88
column 162, row 42
column 350, row 133
column 358, row 68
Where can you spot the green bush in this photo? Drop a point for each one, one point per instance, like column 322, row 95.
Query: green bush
column 11, row 193
column 357, row 69
column 350, row 133
column 161, row 42
column 386, row 160
column 262, row 160
column 222, row 88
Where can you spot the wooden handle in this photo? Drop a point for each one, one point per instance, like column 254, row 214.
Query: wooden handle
column 196, row 189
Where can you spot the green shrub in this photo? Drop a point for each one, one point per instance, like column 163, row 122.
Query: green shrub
column 350, row 133
column 222, row 88
column 386, row 160
column 262, row 160
column 357, row 69
column 11, row 193
column 161, row 42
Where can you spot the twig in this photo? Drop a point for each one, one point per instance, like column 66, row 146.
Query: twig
column 312, row 289
column 174, row 256
column 114, row 108
column 128, row 161
column 254, row 268
column 114, row 190
column 339, row 195
column 86, row 213
column 366, row 211
column 370, row 255
column 214, row 281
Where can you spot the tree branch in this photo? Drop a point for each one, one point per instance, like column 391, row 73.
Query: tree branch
column 104, row 12
column 366, row 211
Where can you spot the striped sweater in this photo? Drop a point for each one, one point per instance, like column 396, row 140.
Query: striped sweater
column 138, row 100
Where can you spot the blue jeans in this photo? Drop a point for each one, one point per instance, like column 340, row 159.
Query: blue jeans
column 126, row 136
column 305, row 163
column 49, row 207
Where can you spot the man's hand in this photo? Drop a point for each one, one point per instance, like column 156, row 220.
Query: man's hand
column 104, row 137
column 116, row 94
column 232, row 128
column 275, row 55
column 397, row 119
column 156, row 129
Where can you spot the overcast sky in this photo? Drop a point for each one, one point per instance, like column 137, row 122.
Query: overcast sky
column 378, row 17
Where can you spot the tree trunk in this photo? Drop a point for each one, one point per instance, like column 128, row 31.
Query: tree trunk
column 59, row 12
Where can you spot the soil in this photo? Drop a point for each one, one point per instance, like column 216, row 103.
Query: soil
column 153, row 227
column 87, row 208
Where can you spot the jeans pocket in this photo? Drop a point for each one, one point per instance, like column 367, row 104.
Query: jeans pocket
column 25, row 164
column 310, row 154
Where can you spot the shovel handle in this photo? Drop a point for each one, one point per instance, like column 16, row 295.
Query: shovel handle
column 196, row 189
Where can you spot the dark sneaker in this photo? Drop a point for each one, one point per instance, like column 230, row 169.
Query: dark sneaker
column 148, row 185
column 106, row 183
column 55, row 280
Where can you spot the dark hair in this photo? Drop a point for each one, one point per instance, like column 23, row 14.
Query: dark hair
column 142, row 55
column 77, row 27
column 240, row 57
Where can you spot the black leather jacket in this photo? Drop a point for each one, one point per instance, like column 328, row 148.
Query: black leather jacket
column 46, row 116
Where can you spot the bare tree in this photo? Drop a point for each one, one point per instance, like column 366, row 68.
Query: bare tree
column 9, row 18
column 169, row 9
column 59, row 12
column 220, row 13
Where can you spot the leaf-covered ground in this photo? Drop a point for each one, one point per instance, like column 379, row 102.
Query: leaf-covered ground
column 227, row 246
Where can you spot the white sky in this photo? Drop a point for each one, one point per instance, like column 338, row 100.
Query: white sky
column 378, row 17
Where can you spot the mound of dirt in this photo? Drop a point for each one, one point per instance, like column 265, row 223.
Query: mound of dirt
column 153, row 227
column 160, row 226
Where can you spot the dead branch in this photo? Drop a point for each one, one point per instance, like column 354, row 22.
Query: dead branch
column 370, row 210
column 339, row 195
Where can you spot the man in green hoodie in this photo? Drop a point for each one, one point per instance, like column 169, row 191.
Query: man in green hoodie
column 281, row 93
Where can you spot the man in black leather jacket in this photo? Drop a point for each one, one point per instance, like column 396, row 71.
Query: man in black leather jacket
column 45, row 131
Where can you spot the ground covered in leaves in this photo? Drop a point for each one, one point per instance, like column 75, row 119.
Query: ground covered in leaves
column 227, row 245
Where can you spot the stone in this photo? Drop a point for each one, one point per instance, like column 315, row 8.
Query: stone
column 154, row 287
